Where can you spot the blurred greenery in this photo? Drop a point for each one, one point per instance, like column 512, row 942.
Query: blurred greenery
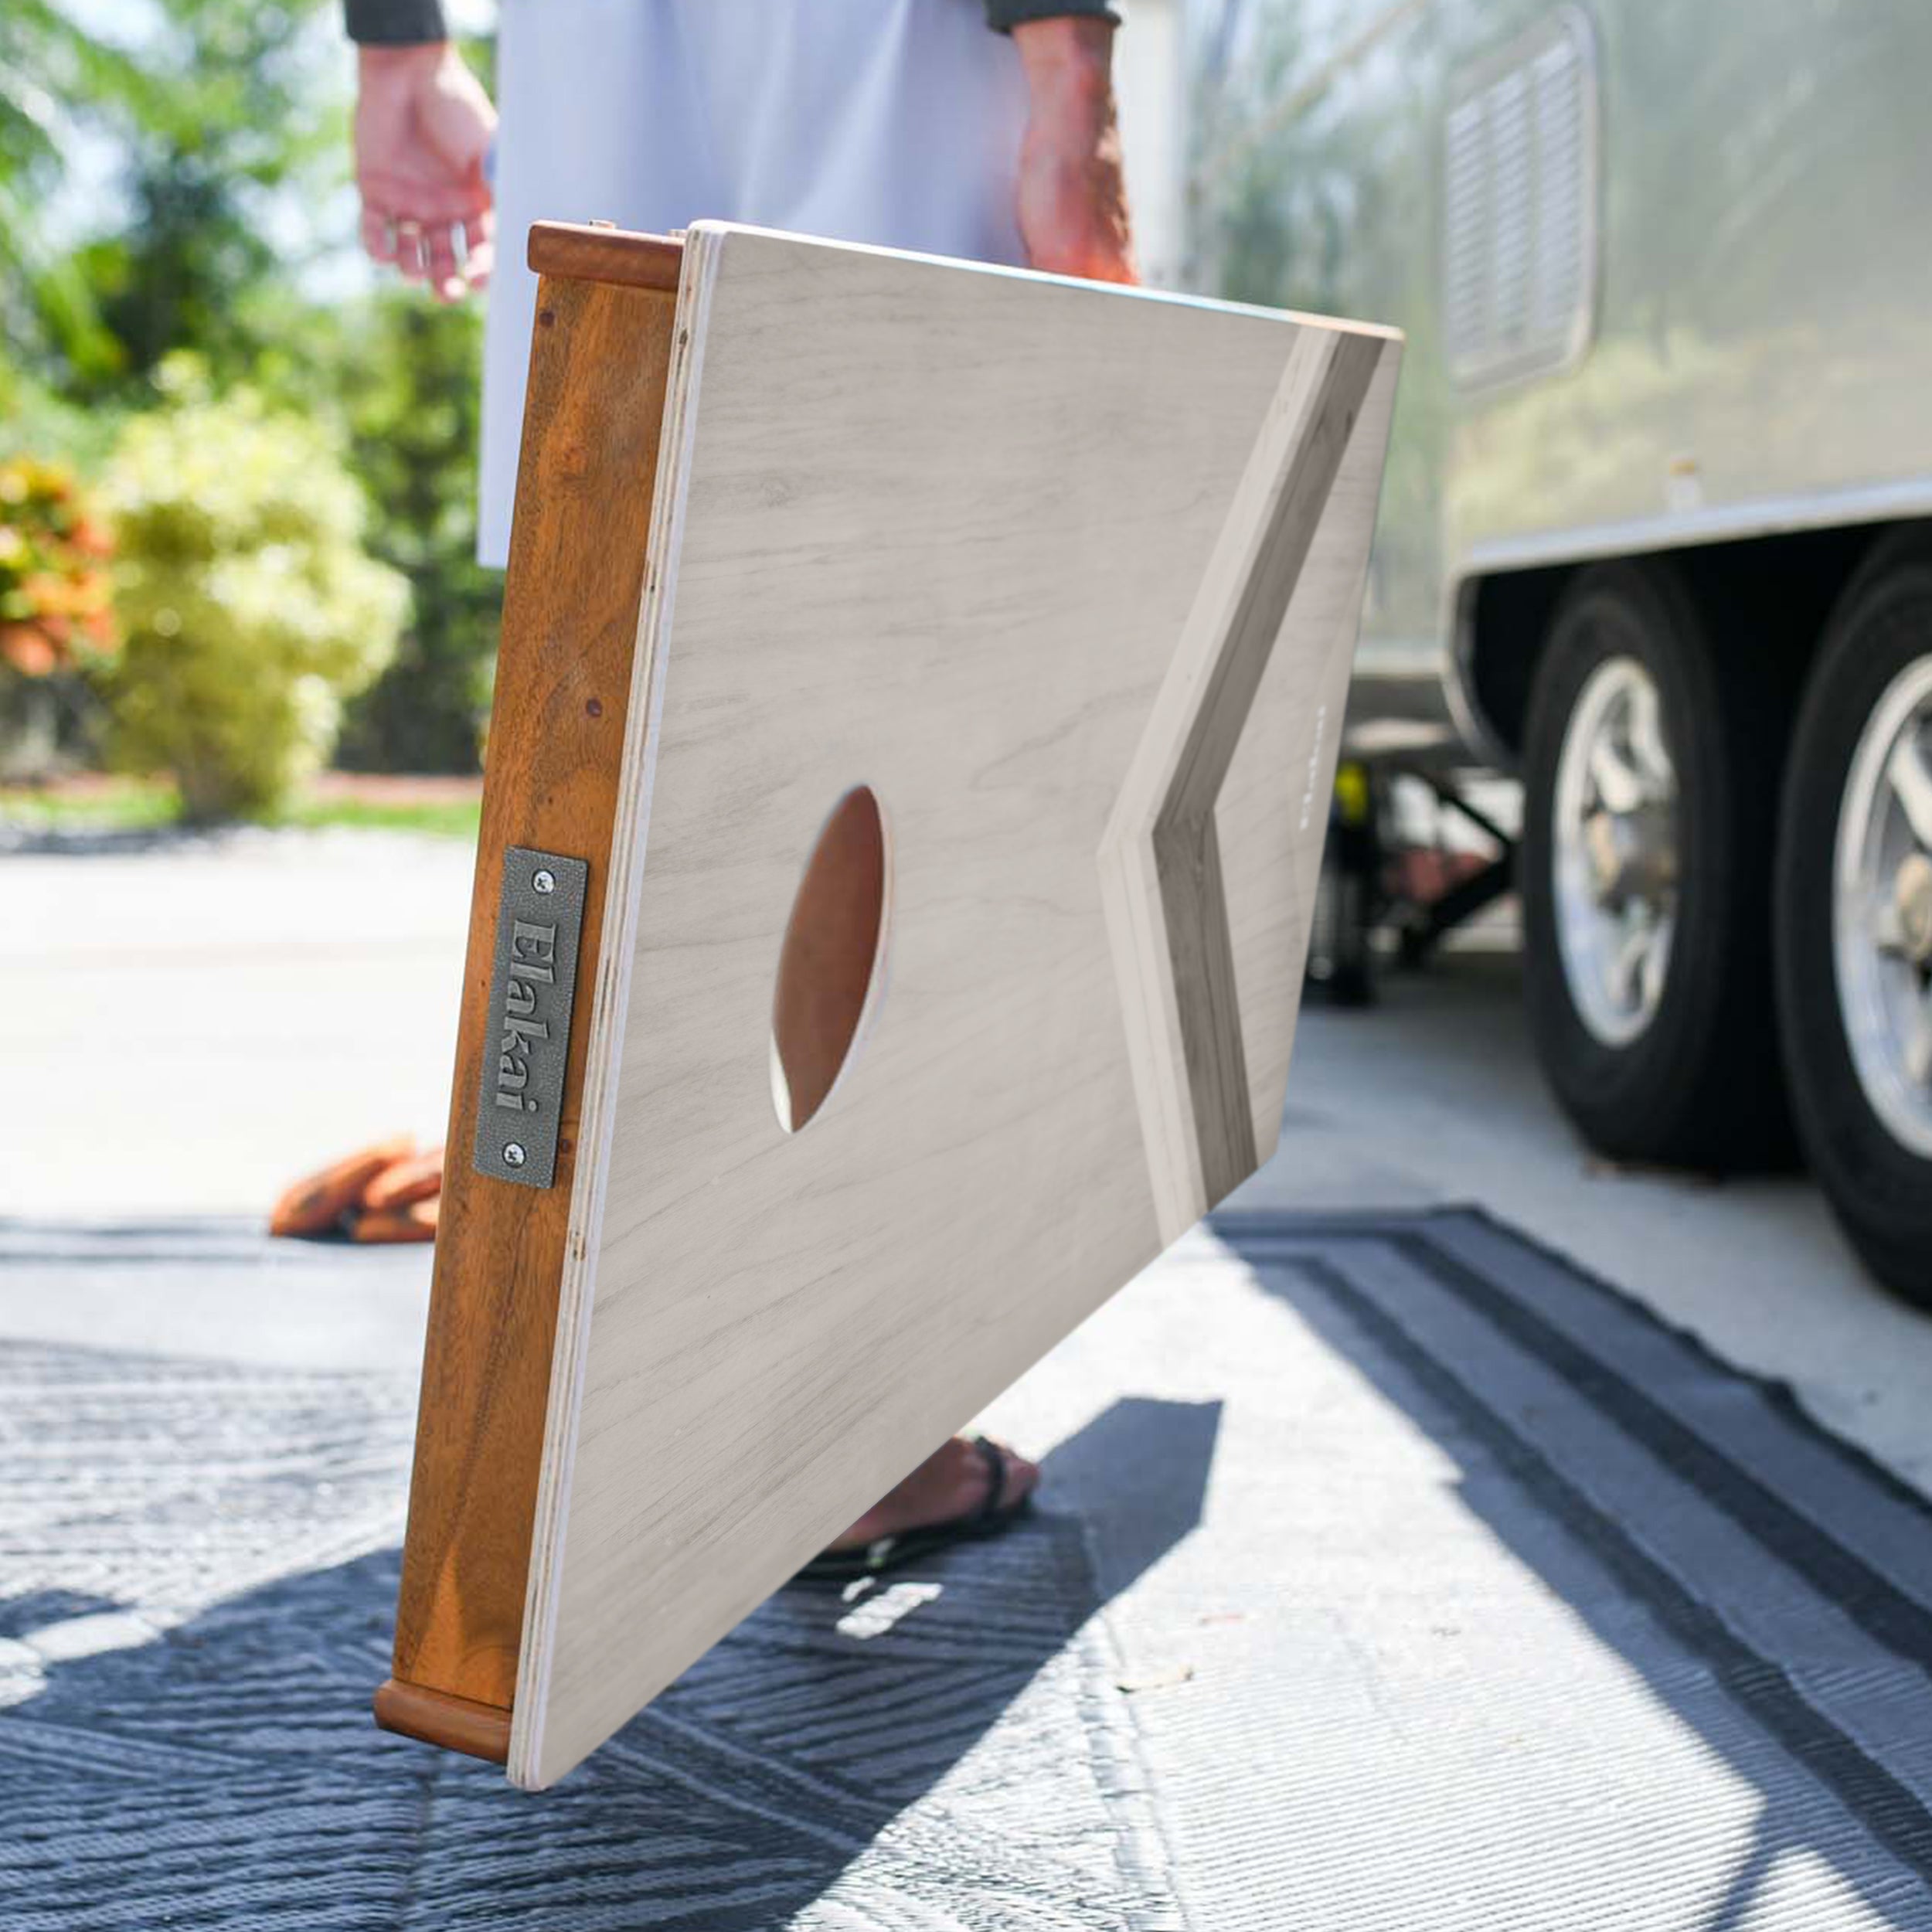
column 177, row 181
column 124, row 804
column 148, row 805
column 250, row 608
column 413, row 399
column 51, row 315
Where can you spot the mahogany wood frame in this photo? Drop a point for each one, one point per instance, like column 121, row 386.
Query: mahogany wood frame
column 601, row 356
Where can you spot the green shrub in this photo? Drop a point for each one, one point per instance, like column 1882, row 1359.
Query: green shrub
column 250, row 609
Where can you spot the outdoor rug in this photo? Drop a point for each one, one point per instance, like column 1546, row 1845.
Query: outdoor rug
column 1396, row 1575
column 200, row 1567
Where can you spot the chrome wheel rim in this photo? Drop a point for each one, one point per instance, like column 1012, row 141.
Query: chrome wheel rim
column 1881, row 908
column 1615, row 846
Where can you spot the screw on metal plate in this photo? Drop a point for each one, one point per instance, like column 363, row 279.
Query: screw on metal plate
column 545, row 881
column 513, row 1155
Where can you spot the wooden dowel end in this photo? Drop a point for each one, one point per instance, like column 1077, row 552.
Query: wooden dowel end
column 587, row 253
column 457, row 1723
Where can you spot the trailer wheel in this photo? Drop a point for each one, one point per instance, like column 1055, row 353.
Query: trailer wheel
column 1651, row 787
column 1854, row 919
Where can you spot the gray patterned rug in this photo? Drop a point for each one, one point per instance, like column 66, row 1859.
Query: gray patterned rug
column 1647, row 1648
column 1399, row 1577
column 199, row 1574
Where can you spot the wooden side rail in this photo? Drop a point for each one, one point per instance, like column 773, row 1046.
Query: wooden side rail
column 601, row 356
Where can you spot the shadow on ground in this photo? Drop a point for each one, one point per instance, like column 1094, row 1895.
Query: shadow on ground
column 820, row 1766
column 19, row 840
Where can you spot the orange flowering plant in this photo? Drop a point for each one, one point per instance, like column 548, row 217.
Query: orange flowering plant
column 56, row 609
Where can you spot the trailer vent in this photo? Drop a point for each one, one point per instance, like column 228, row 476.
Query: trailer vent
column 1519, row 206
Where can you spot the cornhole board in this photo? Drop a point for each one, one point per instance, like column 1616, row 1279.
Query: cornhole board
column 918, row 695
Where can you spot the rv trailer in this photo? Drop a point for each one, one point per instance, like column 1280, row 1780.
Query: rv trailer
column 1656, row 536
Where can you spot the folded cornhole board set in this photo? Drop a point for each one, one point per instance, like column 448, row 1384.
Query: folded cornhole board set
column 918, row 704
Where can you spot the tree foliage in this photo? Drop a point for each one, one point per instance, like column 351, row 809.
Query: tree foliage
column 227, row 233
column 412, row 396
column 54, row 79
column 220, row 174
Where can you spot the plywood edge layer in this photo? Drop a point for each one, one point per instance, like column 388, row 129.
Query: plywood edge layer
column 590, row 253
column 600, row 356
column 435, row 1717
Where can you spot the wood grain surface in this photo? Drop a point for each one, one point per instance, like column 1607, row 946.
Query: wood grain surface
column 938, row 530
column 600, row 355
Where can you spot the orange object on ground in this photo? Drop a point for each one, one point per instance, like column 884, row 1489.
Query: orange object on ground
column 415, row 1222
column 315, row 1205
column 416, row 1179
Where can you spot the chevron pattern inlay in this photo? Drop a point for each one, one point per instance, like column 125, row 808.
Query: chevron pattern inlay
column 1160, row 859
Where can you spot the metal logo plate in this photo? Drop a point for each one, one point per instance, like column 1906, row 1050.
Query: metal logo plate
column 540, row 916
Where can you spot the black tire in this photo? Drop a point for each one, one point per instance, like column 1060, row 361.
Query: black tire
column 1701, row 1085
column 1880, row 1189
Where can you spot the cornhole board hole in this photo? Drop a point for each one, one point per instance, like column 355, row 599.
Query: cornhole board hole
column 918, row 703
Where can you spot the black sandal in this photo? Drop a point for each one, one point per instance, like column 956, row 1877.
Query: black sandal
column 910, row 1546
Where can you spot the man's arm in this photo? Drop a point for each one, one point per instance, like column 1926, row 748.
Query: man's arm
column 423, row 125
column 1072, row 191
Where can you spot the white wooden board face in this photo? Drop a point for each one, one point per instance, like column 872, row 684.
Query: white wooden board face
column 946, row 531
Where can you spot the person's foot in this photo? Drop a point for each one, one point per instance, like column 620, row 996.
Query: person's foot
column 950, row 1484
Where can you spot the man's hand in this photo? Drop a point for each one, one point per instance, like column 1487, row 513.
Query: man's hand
column 1072, row 195
column 423, row 126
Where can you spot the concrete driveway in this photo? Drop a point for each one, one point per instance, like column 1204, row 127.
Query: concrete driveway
column 190, row 1022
